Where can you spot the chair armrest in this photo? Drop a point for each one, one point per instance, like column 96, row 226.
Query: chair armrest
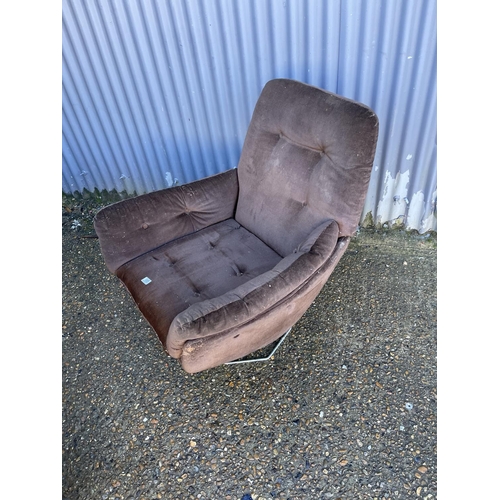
column 132, row 227
column 257, row 296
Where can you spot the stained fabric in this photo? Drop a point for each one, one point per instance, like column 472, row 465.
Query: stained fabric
column 225, row 265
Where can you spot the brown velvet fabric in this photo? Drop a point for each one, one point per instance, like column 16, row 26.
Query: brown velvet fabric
column 208, row 352
column 307, row 157
column 132, row 227
column 248, row 301
column 192, row 269
column 234, row 260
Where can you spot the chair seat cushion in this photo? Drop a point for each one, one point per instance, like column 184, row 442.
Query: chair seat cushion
column 194, row 268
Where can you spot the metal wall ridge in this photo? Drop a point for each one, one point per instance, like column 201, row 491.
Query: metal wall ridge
column 161, row 92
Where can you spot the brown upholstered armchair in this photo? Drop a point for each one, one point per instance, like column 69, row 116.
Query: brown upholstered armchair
column 225, row 265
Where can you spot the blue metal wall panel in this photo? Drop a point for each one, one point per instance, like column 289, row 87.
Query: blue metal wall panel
column 158, row 92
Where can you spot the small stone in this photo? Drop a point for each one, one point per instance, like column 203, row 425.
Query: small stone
column 422, row 469
column 343, row 462
column 192, row 444
column 419, row 490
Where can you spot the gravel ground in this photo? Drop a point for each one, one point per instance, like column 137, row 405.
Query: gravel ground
column 346, row 409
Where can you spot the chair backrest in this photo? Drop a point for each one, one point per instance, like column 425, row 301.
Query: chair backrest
column 307, row 158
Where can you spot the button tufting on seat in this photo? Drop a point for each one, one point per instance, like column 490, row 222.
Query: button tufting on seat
column 171, row 262
column 145, row 225
column 238, row 271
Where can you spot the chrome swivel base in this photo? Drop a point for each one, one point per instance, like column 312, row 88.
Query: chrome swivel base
column 267, row 358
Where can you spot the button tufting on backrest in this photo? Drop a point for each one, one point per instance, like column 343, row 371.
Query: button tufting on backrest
column 145, row 225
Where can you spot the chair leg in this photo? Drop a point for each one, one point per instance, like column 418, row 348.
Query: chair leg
column 267, row 358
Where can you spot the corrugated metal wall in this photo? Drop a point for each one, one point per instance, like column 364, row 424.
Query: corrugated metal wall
column 162, row 92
